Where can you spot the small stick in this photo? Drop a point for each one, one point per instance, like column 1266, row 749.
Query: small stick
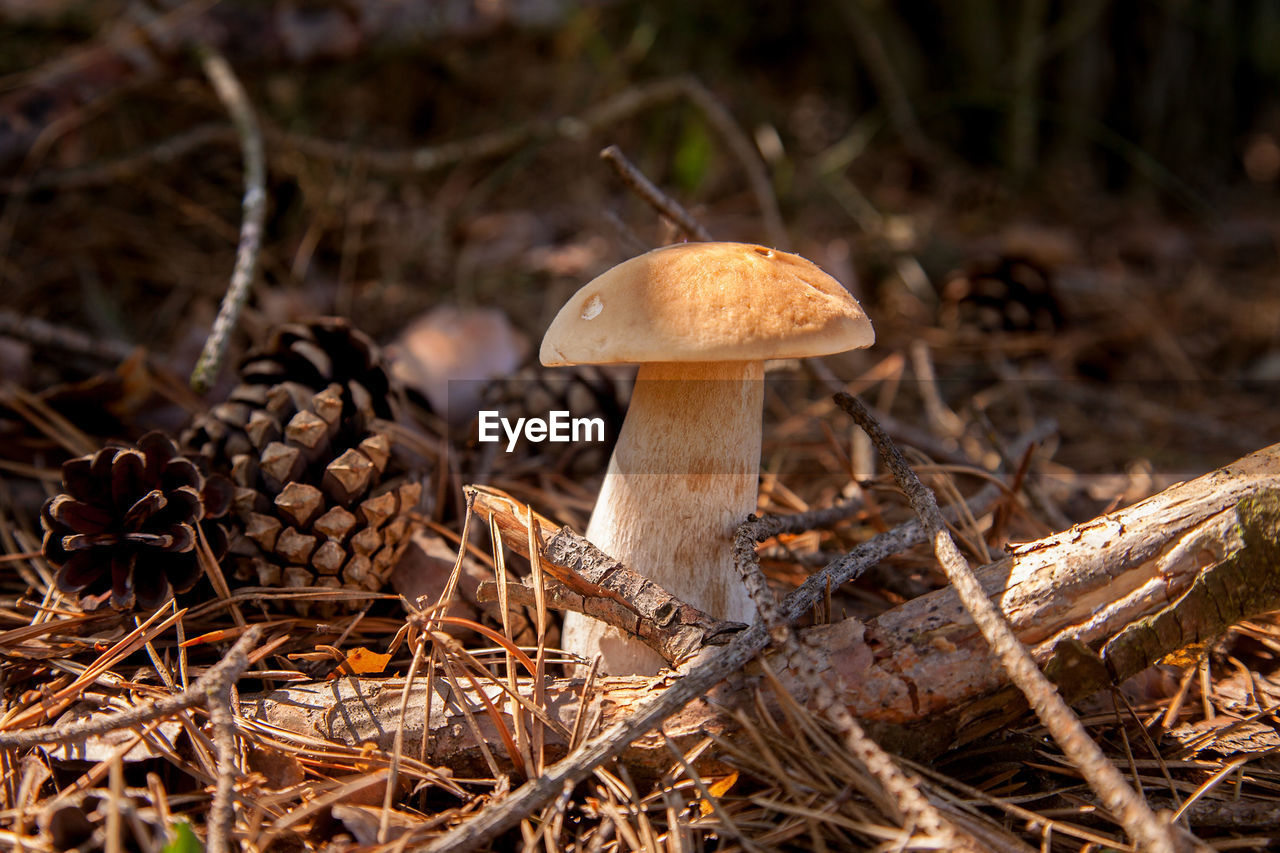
column 656, row 198
column 592, row 582
column 225, row 671
column 1143, row 825
column 254, row 205
column 51, row 336
column 914, row 808
column 222, row 814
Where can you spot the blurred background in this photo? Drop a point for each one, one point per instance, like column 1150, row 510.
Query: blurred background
column 1068, row 206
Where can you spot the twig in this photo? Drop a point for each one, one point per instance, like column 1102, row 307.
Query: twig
column 905, row 432
column 224, row 672
column 1142, row 824
column 254, row 205
column 913, row 807
column 51, row 336
column 222, row 814
column 594, row 583
column 656, row 198
column 604, row 114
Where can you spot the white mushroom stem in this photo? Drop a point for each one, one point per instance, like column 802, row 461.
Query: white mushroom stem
column 683, row 476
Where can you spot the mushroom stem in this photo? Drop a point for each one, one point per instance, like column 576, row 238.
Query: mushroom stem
column 684, row 474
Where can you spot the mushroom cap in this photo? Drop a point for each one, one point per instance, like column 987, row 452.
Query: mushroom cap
column 707, row 302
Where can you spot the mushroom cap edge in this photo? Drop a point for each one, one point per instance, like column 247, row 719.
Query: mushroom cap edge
column 706, row 302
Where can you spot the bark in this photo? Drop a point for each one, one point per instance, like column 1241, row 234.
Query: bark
column 583, row 579
column 1096, row 604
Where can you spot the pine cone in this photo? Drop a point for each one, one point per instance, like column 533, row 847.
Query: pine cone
column 308, row 497
column 302, row 440
column 125, row 530
column 585, row 391
column 313, row 355
column 1009, row 293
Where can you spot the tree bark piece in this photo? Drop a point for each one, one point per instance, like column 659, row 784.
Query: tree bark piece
column 1125, row 589
column 1136, row 584
column 591, row 582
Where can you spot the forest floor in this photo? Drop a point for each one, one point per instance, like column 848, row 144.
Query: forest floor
column 1144, row 329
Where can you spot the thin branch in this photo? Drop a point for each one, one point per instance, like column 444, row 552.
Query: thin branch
column 914, row 809
column 224, row 672
column 48, row 335
column 222, row 814
column 1143, row 825
column 592, row 582
column 254, row 205
column 649, row 192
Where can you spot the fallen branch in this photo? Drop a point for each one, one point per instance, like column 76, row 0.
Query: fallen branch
column 254, row 205
column 591, row 582
column 1151, row 832
column 1122, row 591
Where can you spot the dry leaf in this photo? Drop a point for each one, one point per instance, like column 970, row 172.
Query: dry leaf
column 361, row 661
column 718, row 789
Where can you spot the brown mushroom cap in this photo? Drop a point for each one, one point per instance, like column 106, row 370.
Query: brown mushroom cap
column 707, row 302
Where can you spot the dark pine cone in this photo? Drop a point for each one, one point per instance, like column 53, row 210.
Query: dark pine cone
column 125, row 530
column 1009, row 293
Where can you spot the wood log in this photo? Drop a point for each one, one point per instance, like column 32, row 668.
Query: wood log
column 1096, row 603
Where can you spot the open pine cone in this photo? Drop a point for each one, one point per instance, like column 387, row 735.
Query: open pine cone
column 125, row 529
column 303, row 439
column 311, row 355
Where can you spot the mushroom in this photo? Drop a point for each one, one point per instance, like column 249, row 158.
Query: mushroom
column 700, row 319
